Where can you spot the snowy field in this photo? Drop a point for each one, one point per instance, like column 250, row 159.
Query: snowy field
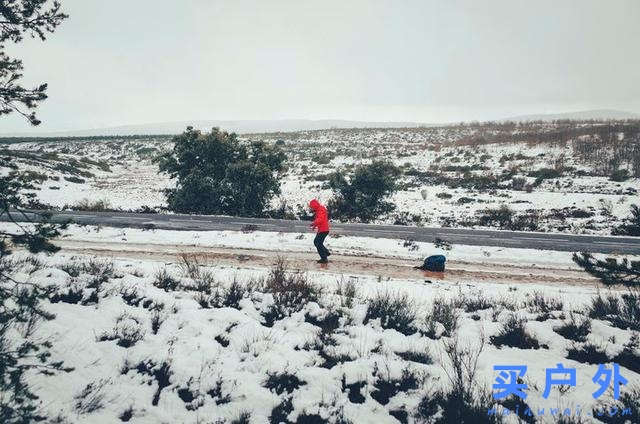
column 184, row 340
column 284, row 243
column 447, row 180
column 244, row 327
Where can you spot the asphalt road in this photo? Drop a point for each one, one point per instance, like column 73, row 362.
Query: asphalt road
column 546, row 241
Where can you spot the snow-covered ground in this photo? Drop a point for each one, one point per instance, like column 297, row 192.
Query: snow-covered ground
column 292, row 242
column 119, row 173
column 208, row 327
column 184, row 340
column 580, row 200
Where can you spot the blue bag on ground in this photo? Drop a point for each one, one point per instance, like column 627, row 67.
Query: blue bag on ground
column 433, row 263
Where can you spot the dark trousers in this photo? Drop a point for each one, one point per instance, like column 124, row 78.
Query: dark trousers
column 318, row 242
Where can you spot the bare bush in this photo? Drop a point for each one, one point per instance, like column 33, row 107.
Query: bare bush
column 394, row 311
column 88, row 205
column 544, row 305
column 575, row 329
column 291, row 290
column 445, row 313
column 514, row 334
column 91, row 398
column 623, row 311
column 101, row 270
column 165, row 281
column 467, row 400
column 347, row 292
column 190, row 264
column 127, row 331
column 386, row 386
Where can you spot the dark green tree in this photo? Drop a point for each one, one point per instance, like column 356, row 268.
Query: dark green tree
column 21, row 309
column 216, row 173
column 362, row 195
column 34, row 18
column 610, row 271
column 20, row 302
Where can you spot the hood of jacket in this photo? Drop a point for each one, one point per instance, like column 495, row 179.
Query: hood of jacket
column 314, row 204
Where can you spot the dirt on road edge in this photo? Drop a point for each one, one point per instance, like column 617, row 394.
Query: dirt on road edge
column 384, row 268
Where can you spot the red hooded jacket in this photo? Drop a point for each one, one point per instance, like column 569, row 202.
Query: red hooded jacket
column 321, row 221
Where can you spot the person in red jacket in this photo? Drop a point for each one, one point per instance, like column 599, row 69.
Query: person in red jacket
column 321, row 224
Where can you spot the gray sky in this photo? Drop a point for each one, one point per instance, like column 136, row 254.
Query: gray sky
column 123, row 62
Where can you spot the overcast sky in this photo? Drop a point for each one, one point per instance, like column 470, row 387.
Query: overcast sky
column 123, row 62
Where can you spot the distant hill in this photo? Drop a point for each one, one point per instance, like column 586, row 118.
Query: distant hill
column 238, row 126
column 286, row 125
column 580, row 115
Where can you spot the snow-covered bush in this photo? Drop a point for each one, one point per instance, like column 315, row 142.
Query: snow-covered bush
column 539, row 303
column 514, row 333
column 443, row 314
column 226, row 297
column 632, row 225
column 466, row 399
column 387, row 386
column 91, row 398
column 291, row 291
column 576, row 329
column 623, row 311
column 127, row 331
column 394, row 311
column 474, row 302
column 280, row 382
column 165, row 281
column 588, row 353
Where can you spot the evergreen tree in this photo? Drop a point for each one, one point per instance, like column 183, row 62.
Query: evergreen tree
column 610, row 271
column 34, row 18
column 362, row 195
column 218, row 174
column 20, row 303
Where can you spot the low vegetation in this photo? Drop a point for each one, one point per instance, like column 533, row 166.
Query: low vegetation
column 576, row 328
column 443, row 314
column 394, row 311
column 398, row 338
column 515, row 334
